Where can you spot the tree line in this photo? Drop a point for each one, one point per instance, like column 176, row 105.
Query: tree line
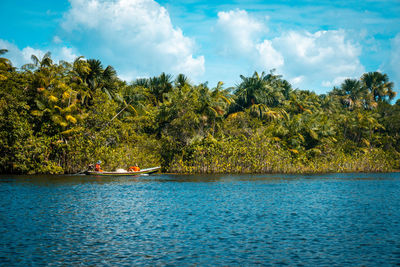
column 60, row 117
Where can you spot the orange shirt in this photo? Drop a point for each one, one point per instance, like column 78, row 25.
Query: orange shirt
column 134, row 169
column 97, row 168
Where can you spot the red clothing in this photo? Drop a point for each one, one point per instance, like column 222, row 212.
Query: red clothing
column 134, row 169
column 97, row 168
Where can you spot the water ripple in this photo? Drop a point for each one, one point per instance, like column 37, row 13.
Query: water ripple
column 333, row 219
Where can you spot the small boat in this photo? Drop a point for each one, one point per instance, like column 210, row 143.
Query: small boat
column 125, row 173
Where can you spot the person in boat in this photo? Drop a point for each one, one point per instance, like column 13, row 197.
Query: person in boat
column 97, row 167
column 134, row 168
column 90, row 167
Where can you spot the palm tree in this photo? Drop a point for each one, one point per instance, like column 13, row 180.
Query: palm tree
column 141, row 82
column 221, row 97
column 78, row 76
column 280, row 85
column 212, row 105
column 263, row 112
column 249, row 91
column 5, row 64
column 181, row 80
column 264, row 89
column 100, row 78
column 40, row 64
column 301, row 102
column 95, row 74
column 155, row 88
column 52, row 97
column 45, row 73
column 80, row 69
column 379, row 86
column 352, row 93
column 159, row 86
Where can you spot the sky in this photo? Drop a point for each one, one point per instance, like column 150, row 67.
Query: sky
column 314, row 45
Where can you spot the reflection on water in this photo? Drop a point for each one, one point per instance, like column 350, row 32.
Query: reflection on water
column 329, row 219
column 74, row 179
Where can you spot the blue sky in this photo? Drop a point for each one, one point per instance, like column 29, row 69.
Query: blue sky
column 313, row 44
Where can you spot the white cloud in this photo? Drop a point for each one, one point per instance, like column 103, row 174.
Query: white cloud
column 325, row 56
column 20, row 57
column 135, row 36
column 57, row 40
column 316, row 60
column 268, row 57
column 337, row 81
column 297, row 80
column 242, row 30
column 242, row 38
column 395, row 61
column 66, row 54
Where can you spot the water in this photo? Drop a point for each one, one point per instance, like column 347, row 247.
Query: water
column 229, row 220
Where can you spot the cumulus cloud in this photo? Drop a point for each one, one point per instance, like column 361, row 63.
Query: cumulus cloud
column 136, row 36
column 20, row 57
column 319, row 59
column 66, row 53
column 267, row 56
column 321, row 56
column 242, row 30
column 57, row 40
column 241, row 36
column 395, row 59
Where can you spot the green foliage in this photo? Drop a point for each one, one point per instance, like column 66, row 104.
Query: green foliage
column 59, row 118
column 260, row 154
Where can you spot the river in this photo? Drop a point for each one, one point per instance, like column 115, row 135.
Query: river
column 177, row 220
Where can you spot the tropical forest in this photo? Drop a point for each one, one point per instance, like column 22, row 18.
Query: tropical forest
column 60, row 117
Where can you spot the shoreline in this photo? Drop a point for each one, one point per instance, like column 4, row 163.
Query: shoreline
column 226, row 173
column 290, row 173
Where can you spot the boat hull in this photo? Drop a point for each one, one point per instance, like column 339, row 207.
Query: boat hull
column 144, row 171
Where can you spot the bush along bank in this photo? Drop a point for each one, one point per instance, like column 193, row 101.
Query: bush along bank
column 60, row 117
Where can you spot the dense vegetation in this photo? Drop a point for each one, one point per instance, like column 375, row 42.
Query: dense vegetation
column 58, row 118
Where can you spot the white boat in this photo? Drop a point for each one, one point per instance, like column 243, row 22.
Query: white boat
column 125, row 173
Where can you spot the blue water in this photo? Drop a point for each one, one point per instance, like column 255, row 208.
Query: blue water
column 229, row 220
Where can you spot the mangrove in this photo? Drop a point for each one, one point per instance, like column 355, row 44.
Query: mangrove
column 60, row 117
